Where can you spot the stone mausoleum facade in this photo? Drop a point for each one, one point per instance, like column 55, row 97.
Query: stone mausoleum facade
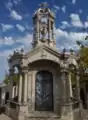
column 44, row 88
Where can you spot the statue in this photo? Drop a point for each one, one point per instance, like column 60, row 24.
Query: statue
column 44, row 4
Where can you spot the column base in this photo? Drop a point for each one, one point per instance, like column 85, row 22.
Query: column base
column 71, row 111
column 16, row 110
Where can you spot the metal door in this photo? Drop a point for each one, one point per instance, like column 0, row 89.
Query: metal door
column 44, row 91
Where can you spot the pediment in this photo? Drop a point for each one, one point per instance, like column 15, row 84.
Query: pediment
column 42, row 53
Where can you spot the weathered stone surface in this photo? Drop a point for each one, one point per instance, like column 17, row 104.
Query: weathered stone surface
column 44, row 58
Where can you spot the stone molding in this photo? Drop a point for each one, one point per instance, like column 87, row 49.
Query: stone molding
column 24, row 69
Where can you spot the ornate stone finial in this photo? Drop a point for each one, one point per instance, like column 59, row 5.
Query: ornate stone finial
column 63, row 54
column 14, row 52
column 44, row 4
column 71, row 51
column 22, row 50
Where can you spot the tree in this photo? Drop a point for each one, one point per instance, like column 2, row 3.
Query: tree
column 83, row 54
column 83, row 59
column 7, row 79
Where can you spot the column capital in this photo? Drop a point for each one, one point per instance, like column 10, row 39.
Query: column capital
column 24, row 69
column 64, row 70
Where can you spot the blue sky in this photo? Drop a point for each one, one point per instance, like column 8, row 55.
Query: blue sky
column 16, row 25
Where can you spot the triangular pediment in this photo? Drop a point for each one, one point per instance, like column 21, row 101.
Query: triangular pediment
column 41, row 53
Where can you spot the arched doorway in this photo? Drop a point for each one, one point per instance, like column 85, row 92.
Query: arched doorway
column 44, row 91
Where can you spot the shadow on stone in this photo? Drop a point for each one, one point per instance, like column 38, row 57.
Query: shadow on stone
column 2, row 110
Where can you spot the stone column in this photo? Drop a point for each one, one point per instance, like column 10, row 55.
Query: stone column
column 11, row 82
column 67, row 85
column 16, row 89
column 13, row 95
column 66, row 107
column 37, row 30
column 70, row 84
column 78, row 85
column 25, row 77
column 25, row 88
column 20, row 88
column 53, row 30
column 49, row 25
column 64, row 87
column 30, row 80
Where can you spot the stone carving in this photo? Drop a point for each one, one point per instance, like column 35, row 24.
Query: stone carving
column 43, row 54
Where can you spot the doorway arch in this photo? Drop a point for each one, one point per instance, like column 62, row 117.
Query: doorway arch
column 44, row 91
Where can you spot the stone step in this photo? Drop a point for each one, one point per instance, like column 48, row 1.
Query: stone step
column 42, row 116
column 4, row 117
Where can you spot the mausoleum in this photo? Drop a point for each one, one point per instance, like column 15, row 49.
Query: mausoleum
column 44, row 86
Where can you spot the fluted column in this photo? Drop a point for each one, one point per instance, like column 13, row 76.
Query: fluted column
column 20, row 88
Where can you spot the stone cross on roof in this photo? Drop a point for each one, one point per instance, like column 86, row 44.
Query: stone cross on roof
column 44, row 4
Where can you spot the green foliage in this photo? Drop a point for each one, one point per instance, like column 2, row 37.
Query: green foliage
column 7, row 79
column 84, row 56
column 15, row 77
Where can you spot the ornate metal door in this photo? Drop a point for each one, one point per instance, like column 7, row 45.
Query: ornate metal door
column 44, row 91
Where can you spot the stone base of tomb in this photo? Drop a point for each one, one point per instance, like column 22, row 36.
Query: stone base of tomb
column 71, row 111
column 68, row 111
column 16, row 110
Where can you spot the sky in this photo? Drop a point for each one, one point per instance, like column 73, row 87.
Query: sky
column 71, row 24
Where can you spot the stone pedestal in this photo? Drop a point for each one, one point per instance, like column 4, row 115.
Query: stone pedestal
column 71, row 111
column 66, row 112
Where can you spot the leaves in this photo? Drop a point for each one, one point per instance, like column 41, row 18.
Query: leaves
column 84, row 56
column 7, row 79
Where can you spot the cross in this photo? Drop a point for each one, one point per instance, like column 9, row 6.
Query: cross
column 44, row 4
